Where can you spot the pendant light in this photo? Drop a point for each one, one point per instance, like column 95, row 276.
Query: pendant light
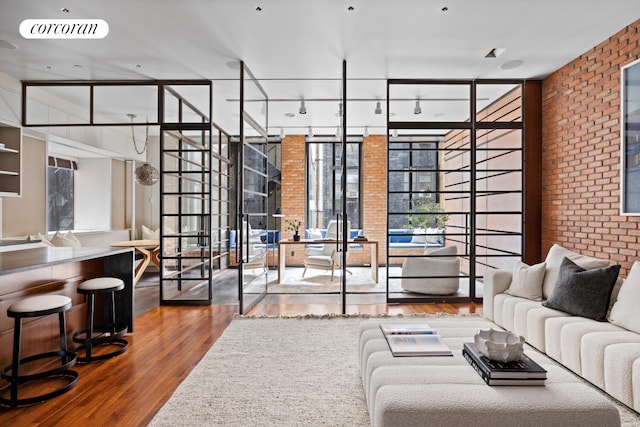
column 146, row 174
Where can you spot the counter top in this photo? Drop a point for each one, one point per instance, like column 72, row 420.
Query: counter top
column 17, row 242
column 29, row 259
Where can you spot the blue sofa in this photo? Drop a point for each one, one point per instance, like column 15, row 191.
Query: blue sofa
column 402, row 238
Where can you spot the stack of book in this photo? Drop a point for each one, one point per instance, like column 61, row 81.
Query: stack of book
column 520, row 372
column 411, row 339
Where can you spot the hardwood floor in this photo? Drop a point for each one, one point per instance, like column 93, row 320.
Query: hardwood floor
column 168, row 342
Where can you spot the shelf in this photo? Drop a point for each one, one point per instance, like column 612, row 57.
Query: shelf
column 10, row 162
column 8, row 150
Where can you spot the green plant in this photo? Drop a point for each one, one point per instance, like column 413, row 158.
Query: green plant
column 293, row 225
column 428, row 214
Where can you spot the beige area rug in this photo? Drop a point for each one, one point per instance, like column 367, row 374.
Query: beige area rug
column 282, row 372
column 319, row 281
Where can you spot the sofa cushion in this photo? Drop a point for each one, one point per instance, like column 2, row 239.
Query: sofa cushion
column 149, row 234
column 554, row 258
column 625, row 311
column 581, row 292
column 527, row 281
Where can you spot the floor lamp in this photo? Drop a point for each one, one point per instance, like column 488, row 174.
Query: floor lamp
column 277, row 214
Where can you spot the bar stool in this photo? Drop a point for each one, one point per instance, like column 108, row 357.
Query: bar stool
column 38, row 306
column 111, row 334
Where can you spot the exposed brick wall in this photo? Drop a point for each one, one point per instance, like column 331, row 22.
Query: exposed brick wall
column 294, row 194
column 581, row 153
column 374, row 194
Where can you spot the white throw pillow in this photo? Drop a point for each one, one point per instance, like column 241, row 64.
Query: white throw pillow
column 44, row 240
column 625, row 310
column 419, row 239
column 149, row 234
column 527, row 281
column 65, row 240
column 433, row 235
column 314, row 233
column 554, row 259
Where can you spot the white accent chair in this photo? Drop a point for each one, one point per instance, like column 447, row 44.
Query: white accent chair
column 257, row 251
column 326, row 257
column 443, row 263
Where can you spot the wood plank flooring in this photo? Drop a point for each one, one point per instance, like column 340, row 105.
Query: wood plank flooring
column 169, row 341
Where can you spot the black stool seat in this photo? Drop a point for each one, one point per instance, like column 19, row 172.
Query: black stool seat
column 112, row 333
column 38, row 306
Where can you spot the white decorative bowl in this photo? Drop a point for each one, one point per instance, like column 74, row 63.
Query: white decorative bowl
column 501, row 346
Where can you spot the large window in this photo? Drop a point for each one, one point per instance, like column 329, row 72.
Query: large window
column 324, row 180
column 413, row 178
column 60, row 194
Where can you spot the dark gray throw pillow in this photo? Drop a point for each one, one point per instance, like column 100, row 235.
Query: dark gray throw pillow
column 581, row 292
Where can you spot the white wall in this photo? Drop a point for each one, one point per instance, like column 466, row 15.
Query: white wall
column 93, row 194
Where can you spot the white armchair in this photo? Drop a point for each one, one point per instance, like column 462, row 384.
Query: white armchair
column 446, row 263
column 326, row 257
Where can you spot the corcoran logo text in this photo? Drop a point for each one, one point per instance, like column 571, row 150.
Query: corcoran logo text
column 64, row 29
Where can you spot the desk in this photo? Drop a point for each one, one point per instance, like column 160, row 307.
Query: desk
column 282, row 253
column 150, row 250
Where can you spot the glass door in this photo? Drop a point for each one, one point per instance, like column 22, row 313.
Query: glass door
column 253, row 179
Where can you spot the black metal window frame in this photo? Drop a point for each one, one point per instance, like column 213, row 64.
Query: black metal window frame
column 336, row 145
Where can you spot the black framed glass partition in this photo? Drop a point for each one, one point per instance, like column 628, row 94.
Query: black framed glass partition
column 252, row 219
column 455, row 186
column 186, row 196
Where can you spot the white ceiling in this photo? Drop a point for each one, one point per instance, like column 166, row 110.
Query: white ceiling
column 296, row 47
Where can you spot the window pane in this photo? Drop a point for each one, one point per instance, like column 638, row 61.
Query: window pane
column 325, row 183
column 60, row 198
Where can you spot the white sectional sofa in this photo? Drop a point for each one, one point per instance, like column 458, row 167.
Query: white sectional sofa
column 606, row 352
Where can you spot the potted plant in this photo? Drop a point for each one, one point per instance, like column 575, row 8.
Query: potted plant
column 294, row 225
column 428, row 214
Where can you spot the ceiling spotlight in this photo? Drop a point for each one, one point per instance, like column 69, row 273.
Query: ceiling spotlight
column 378, row 109
column 417, row 109
column 258, row 9
column 310, row 133
column 366, row 131
column 64, row 10
column 303, row 109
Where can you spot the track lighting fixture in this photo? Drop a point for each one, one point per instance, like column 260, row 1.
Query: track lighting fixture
column 282, row 135
column 303, row 109
column 366, row 131
column 378, row 109
column 417, row 109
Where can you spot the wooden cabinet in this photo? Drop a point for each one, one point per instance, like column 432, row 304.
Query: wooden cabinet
column 10, row 161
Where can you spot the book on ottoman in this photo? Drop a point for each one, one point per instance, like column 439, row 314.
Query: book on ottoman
column 520, row 372
column 417, row 345
column 406, row 328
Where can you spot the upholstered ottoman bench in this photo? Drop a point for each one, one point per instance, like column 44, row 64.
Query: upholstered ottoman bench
column 446, row 391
